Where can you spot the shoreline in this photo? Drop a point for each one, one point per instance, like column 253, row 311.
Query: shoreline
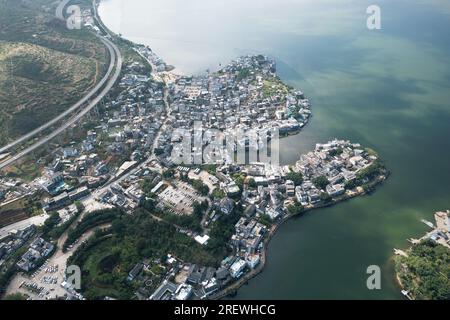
column 233, row 287
column 439, row 236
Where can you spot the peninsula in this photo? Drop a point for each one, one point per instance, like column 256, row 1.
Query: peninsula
column 117, row 203
column 423, row 270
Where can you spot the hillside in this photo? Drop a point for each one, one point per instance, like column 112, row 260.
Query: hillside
column 44, row 67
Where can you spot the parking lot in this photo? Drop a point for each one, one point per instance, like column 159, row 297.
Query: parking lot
column 180, row 199
column 45, row 282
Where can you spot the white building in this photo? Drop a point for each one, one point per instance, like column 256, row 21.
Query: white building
column 237, row 268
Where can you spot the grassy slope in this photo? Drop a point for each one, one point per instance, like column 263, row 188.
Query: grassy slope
column 51, row 67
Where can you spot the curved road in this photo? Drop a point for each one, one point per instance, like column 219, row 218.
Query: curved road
column 68, row 111
column 116, row 59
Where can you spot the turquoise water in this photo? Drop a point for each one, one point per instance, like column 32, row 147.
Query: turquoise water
column 387, row 89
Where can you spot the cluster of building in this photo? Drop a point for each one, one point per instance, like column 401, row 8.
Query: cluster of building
column 336, row 162
column 39, row 249
column 123, row 137
column 246, row 95
column 134, row 118
column 14, row 241
column 128, row 193
column 184, row 281
column 339, row 162
column 441, row 232
column 153, row 58
column 64, row 199
column 12, row 189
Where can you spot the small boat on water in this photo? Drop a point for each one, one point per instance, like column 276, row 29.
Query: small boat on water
column 406, row 294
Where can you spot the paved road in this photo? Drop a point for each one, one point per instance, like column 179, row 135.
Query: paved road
column 37, row 221
column 116, row 59
column 68, row 111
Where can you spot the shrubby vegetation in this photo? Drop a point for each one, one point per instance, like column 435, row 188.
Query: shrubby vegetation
column 252, row 184
column 48, row 73
column 15, row 297
column 107, row 258
column 426, row 271
column 321, row 182
column 8, row 269
column 168, row 174
column 371, row 171
column 51, row 229
column 375, row 169
column 147, row 186
column 336, row 152
column 201, row 188
column 218, row 194
column 90, row 221
column 325, row 197
column 221, row 232
column 210, row 168
column 191, row 222
column 296, row 177
column 243, row 73
column 239, row 179
column 265, row 220
column 295, row 208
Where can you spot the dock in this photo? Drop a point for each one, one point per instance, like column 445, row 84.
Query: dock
column 428, row 223
column 413, row 241
column 399, row 252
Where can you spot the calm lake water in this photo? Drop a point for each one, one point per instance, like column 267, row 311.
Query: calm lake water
column 388, row 89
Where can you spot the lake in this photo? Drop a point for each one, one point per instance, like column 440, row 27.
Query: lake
column 387, row 89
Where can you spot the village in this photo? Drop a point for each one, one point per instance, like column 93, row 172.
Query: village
column 126, row 159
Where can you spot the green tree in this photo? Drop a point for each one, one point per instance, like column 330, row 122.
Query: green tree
column 325, row 197
column 371, row 171
column 321, row 182
column 202, row 188
column 169, row 174
column 16, row 296
column 295, row 177
column 239, row 180
column 218, row 193
column 252, row 184
column 335, row 152
column 295, row 208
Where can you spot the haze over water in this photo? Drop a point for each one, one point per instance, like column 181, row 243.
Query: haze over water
column 387, row 89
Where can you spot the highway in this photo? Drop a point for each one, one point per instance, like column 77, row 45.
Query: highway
column 116, row 59
column 71, row 109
